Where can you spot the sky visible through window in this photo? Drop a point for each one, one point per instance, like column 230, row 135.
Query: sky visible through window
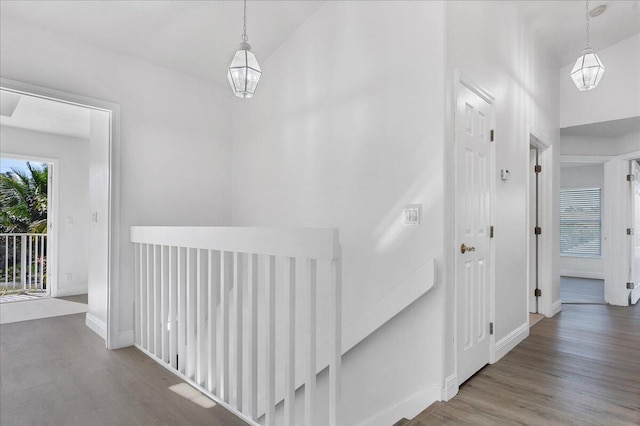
column 7, row 164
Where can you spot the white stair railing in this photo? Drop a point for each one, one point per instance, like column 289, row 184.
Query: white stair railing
column 206, row 307
column 23, row 264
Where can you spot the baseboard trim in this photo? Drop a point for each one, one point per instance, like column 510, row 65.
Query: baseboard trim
column 72, row 290
column 511, row 340
column 450, row 388
column 409, row 408
column 556, row 307
column 125, row 339
column 96, row 325
column 582, row 274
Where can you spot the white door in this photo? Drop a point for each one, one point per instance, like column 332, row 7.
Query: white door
column 635, row 252
column 473, row 171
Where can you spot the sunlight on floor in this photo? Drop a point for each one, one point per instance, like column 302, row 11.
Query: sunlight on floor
column 189, row 392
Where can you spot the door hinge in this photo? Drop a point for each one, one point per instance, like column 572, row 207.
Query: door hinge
column 631, row 286
column 631, row 178
column 630, row 231
column 537, row 292
column 492, row 137
column 537, row 168
column 491, row 231
column 537, row 230
column 490, row 328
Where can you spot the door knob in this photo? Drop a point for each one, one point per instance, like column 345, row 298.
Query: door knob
column 464, row 249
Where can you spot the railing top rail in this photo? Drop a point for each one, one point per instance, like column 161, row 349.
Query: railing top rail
column 312, row 243
column 20, row 234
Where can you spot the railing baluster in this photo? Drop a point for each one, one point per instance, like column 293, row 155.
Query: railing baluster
column 189, row 368
column 226, row 277
column 213, row 282
column 35, row 260
column 200, row 308
column 6, row 260
column 164, row 303
column 182, row 305
column 23, row 261
column 14, row 260
column 270, row 311
column 253, row 336
column 43, row 240
column 149, row 301
column 290, row 353
column 238, row 283
column 156, row 303
column 173, row 309
column 310, row 382
column 136, row 294
column 143, row 297
column 335, row 363
column 30, row 244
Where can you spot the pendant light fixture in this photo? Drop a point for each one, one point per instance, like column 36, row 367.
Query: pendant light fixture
column 244, row 71
column 588, row 70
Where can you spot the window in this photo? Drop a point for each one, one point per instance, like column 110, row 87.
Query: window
column 580, row 222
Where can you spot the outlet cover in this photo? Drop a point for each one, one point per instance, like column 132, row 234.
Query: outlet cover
column 411, row 214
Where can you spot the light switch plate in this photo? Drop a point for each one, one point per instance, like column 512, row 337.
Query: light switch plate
column 412, row 213
column 505, row 174
column 94, row 217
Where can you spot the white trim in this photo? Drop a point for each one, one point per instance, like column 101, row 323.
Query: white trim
column 585, row 158
column 582, row 274
column 556, row 307
column 511, row 340
column 96, row 324
column 113, row 301
column 450, row 388
column 72, row 290
column 126, row 338
column 634, row 155
column 408, row 408
column 52, row 215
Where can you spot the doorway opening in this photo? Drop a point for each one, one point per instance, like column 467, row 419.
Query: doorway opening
column 26, row 248
column 81, row 135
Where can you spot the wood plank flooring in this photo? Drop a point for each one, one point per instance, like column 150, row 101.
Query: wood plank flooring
column 581, row 367
column 581, row 290
column 55, row 371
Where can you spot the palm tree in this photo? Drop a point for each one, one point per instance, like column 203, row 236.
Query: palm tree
column 23, row 200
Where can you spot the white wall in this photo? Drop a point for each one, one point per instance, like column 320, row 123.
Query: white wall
column 618, row 94
column 175, row 133
column 345, row 129
column 490, row 43
column 600, row 146
column 73, row 173
column 581, row 177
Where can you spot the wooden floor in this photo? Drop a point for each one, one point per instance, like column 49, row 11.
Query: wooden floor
column 581, row 367
column 56, row 371
column 581, row 290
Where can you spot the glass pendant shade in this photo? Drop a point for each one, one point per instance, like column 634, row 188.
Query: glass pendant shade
column 244, row 72
column 587, row 71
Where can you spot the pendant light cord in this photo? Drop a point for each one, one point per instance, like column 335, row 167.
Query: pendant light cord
column 244, row 34
column 587, row 29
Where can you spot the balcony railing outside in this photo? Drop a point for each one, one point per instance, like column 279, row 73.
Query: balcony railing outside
column 23, row 262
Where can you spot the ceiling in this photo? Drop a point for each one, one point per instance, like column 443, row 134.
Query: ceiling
column 198, row 38
column 561, row 25
column 604, row 129
column 44, row 115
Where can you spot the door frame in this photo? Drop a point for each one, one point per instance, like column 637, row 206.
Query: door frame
column 53, row 193
column 112, row 337
column 546, row 305
column 451, row 383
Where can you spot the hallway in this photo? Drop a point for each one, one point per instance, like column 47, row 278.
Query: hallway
column 579, row 367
